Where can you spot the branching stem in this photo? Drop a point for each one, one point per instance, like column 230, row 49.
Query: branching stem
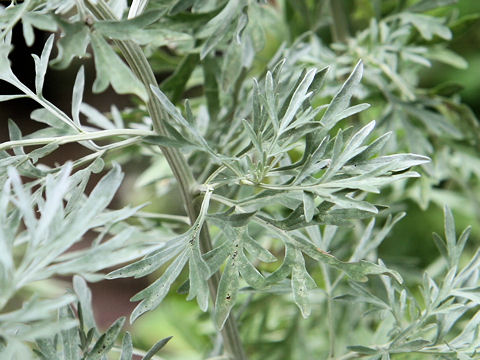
column 137, row 61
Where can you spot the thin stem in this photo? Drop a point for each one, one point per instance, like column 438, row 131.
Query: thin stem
column 167, row 217
column 60, row 140
column 339, row 25
column 330, row 315
column 137, row 61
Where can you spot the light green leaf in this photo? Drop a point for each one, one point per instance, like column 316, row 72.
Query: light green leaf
column 153, row 295
column 227, row 292
column 299, row 96
column 447, row 56
column 217, row 28
column 199, row 273
column 427, row 26
column 127, row 347
column 112, row 70
column 41, row 64
column 257, row 250
column 85, row 301
column 342, row 98
column 106, row 341
column 249, row 272
column 77, row 95
column 151, row 262
column 156, row 348
column 301, row 282
column 125, row 29
column 70, row 337
column 72, row 44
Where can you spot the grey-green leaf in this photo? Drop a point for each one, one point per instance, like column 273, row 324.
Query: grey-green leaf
column 342, row 98
column 112, row 70
column 227, row 292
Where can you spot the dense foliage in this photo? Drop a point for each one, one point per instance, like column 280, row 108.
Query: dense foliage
column 262, row 126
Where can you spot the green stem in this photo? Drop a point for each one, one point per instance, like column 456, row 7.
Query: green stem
column 331, row 320
column 60, row 140
column 339, row 25
column 137, row 61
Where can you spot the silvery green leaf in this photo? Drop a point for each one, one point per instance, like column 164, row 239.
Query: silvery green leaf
column 153, row 295
column 358, row 271
column 468, row 334
column 112, row 70
column 124, row 29
column 98, row 200
column 434, row 122
column 217, row 27
column 55, row 191
column 127, row 347
column 47, row 349
column 70, row 337
column 308, row 205
column 342, row 98
column 41, row 64
column 38, row 20
column 78, row 95
column 448, row 57
column 257, row 250
column 427, row 26
column 106, row 341
column 415, row 58
column 271, row 103
column 72, row 44
column 177, row 116
column 373, row 149
column 232, row 65
column 285, row 269
column 15, row 134
column 199, row 272
column 318, row 81
column 351, row 149
column 153, row 260
column 110, row 253
column 45, row 328
column 352, row 110
column 23, row 200
column 156, row 348
column 299, row 96
column 85, row 301
column 114, row 216
column 35, row 310
column 301, row 282
column 42, row 152
column 227, row 292
column 95, row 117
column 363, row 349
column 216, row 257
column 249, row 272
column 46, row 117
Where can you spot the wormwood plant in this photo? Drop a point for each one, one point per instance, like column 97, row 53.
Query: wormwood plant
column 274, row 163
